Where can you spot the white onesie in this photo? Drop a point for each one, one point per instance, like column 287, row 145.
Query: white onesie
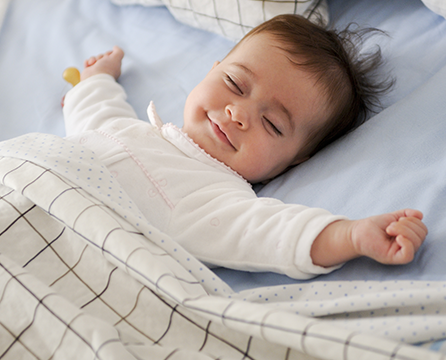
column 200, row 202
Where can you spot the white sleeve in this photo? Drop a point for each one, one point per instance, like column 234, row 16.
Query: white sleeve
column 93, row 102
column 250, row 233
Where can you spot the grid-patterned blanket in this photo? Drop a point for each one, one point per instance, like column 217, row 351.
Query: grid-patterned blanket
column 84, row 276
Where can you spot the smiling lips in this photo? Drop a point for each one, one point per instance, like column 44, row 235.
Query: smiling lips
column 220, row 134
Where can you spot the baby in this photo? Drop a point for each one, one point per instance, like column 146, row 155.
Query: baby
column 285, row 91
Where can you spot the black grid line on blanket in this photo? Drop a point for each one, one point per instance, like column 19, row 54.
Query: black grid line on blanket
column 98, row 295
column 22, row 215
column 16, row 338
column 44, row 248
column 306, row 334
column 175, row 310
column 69, row 269
column 40, row 303
column 197, row 14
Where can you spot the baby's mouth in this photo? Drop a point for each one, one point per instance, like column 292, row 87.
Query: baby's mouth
column 221, row 134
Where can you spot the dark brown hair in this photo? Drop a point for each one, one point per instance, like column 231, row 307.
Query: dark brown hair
column 348, row 77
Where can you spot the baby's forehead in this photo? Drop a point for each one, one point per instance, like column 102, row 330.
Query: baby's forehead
column 263, row 37
column 269, row 43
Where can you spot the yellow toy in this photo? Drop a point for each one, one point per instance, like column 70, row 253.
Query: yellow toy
column 72, row 75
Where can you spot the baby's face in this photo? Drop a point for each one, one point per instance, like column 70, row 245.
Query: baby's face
column 254, row 110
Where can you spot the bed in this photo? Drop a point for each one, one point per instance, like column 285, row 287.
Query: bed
column 83, row 275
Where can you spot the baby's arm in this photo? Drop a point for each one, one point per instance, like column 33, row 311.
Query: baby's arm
column 392, row 238
column 98, row 98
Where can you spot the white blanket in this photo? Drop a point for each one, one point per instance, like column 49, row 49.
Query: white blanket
column 83, row 275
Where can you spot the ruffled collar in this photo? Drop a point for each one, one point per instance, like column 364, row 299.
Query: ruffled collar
column 183, row 142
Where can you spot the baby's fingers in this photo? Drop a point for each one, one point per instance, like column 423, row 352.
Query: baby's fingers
column 412, row 229
column 93, row 59
column 406, row 251
column 90, row 61
column 416, row 225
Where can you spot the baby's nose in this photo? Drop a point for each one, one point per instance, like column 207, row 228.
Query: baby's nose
column 239, row 115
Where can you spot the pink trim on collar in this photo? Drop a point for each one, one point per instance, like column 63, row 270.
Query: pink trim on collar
column 214, row 161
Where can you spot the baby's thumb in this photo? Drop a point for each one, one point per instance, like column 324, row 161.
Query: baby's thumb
column 117, row 52
column 406, row 252
column 413, row 213
column 408, row 213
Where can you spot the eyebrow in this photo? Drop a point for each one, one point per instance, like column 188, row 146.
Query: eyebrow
column 245, row 69
column 276, row 101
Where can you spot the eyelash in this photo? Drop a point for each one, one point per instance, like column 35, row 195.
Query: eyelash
column 270, row 124
column 234, row 84
column 275, row 129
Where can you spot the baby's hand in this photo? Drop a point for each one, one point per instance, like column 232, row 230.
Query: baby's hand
column 108, row 63
column 392, row 238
